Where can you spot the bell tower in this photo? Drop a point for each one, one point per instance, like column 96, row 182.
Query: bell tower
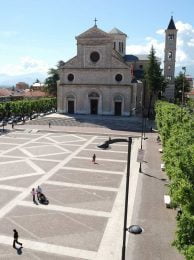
column 170, row 58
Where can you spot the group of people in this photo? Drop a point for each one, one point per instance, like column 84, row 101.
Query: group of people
column 40, row 196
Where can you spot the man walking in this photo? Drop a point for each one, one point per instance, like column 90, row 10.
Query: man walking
column 15, row 238
column 33, row 192
column 94, row 158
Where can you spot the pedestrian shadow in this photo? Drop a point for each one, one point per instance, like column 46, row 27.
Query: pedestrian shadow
column 151, row 176
column 19, row 250
column 35, row 202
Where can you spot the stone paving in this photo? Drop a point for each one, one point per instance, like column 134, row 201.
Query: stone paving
column 84, row 217
column 91, row 121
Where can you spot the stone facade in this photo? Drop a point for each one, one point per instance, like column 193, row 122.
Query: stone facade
column 98, row 79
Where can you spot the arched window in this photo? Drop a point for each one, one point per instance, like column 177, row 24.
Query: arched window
column 171, row 36
column 170, row 55
column 93, row 95
column 70, row 96
column 118, row 98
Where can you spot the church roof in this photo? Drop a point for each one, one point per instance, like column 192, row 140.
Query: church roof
column 93, row 32
column 116, row 31
column 129, row 57
column 171, row 25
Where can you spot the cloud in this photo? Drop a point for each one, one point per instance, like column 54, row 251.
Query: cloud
column 160, row 31
column 146, row 47
column 8, row 34
column 191, row 42
column 185, row 45
column 26, row 65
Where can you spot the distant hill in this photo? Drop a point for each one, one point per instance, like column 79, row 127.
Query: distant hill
column 9, row 81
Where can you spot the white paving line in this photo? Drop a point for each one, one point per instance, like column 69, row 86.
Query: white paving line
column 80, row 137
column 81, row 186
column 87, row 212
column 37, row 146
column 62, row 148
column 23, row 149
column 7, row 143
column 35, row 166
column 14, row 161
column 111, row 243
column 50, row 248
column 13, row 188
column 21, row 145
column 11, row 204
column 48, row 154
column 52, row 140
column 16, row 225
column 19, row 176
column 91, row 170
column 99, row 159
column 43, row 159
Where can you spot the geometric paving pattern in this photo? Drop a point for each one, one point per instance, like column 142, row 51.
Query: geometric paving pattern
column 83, row 196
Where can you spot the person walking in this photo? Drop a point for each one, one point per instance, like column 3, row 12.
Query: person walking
column 38, row 192
column 15, row 238
column 94, row 158
column 49, row 124
column 33, row 192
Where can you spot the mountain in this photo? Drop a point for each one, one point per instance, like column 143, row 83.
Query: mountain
column 9, row 81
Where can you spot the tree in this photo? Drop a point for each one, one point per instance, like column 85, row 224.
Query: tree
column 154, row 80
column 51, row 81
column 180, row 83
column 175, row 125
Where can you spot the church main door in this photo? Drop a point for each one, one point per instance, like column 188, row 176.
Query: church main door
column 118, row 108
column 70, row 106
column 94, row 106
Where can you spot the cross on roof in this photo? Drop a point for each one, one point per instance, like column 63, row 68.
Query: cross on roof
column 95, row 20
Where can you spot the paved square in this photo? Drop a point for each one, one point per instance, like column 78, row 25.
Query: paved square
column 86, row 199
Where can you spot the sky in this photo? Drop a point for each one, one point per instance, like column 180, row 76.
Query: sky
column 36, row 34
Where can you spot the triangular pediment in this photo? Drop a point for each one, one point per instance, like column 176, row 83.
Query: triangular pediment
column 118, row 60
column 93, row 32
column 72, row 62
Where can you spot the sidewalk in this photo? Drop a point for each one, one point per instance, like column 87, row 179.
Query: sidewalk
column 150, row 211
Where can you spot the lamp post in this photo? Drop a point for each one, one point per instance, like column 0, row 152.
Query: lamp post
column 105, row 145
column 143, row 119
column 183, row 89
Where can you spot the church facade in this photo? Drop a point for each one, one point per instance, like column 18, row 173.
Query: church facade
column 98, row 80
column 103, row 80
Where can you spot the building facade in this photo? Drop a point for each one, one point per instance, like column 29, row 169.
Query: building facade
column 99, row 79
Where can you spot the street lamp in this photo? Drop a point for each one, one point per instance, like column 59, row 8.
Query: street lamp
column 183, row 89
column 105, row 145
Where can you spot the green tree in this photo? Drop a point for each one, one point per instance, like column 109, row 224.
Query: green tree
column 51, row 81
column 154, row 80
column 180, row 83
column 176, row 125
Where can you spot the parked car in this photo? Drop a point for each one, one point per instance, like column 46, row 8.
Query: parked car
column 35, row 115
column 17, row 119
